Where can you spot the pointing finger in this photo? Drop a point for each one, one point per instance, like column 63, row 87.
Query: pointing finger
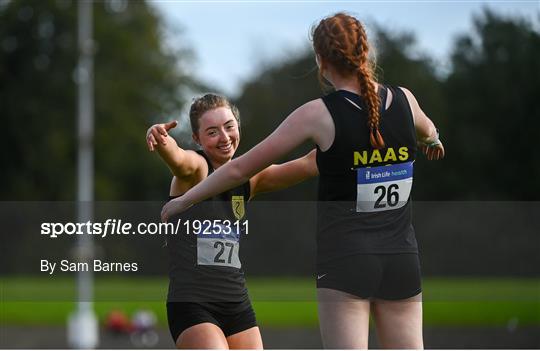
column 170, row 125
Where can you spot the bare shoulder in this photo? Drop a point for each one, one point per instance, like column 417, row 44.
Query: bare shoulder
column 316, row 103
column 307, row 116
column 311, row 114
column 405, row 90
column 409, row 95
column 311, row 108
column 316, row 119
column 418, row 114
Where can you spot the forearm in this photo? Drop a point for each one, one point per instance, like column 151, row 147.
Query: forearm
column 296, row 171
column 425, row 129
column 225, row 177
column 428, row 139
column 426, row 132
column 287, row 183
column 287, row 180
column 172, row 155
column 278, row 177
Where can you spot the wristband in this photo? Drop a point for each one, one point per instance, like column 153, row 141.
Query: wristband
column 434, row 142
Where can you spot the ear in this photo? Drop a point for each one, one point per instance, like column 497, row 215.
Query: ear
column 323, row 68
column 196, row 139
column 318, row 60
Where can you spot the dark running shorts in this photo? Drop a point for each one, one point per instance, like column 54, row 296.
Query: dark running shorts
column 182, row 315
column 368, row 276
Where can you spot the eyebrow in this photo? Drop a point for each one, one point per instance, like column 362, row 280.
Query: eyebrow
column 214, row 127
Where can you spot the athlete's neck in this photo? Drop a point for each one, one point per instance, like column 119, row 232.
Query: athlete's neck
column 349, row 84
column 217, row 164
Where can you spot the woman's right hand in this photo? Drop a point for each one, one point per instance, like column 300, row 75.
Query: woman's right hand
column 158, row 134
column 174, row 207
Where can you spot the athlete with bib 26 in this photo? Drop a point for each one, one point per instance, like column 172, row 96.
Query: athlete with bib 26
column 207, row 305
column 366, row 136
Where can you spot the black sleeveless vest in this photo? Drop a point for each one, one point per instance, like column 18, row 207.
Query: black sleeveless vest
column 204, row 266
column 363, row 195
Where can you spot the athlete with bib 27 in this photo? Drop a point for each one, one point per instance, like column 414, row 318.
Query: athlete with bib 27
column 207, row 305
column 366, row 135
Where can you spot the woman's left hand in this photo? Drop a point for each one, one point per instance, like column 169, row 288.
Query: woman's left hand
column 434, row 150
column 173, row 207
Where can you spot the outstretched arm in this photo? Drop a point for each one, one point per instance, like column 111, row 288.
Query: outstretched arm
column 182, row 163
column 426, row 133
column 300, row 126
column 277, row 177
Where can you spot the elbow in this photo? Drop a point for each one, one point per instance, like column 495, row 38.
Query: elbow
column 427, row 134
column 181, row 171
column 433, row 134
column 432, row 129
column 311, row 164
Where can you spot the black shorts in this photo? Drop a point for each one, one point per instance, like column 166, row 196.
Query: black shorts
column 373, row 276
column 182, row 315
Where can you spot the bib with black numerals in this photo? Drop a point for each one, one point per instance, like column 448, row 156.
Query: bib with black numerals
column 220, row 248
column 383, row 188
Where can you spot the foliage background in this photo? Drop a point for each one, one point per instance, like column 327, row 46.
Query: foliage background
column 485, row 105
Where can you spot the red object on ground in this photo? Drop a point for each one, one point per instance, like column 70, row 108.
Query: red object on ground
column 118, row 322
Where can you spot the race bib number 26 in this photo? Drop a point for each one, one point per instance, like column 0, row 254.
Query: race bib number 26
column 383, row 188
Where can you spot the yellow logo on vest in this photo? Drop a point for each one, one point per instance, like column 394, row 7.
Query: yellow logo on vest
column 237, row 203
column 368, row 157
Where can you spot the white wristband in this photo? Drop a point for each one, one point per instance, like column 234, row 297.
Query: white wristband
column 434, row 142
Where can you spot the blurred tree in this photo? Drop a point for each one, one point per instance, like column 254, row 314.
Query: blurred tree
column 271, row 96
column 274, row 93
column 401, row 63
column 493, row 90
column 137, row 81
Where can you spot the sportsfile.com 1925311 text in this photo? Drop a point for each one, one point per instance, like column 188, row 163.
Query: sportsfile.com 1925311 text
column 119, row 227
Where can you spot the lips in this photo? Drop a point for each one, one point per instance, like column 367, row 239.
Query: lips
column 226, row 147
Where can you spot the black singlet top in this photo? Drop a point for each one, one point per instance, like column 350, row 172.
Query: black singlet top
column 205, row 267
column 363, row 195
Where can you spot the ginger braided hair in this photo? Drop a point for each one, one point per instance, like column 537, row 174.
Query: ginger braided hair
column 341, row 41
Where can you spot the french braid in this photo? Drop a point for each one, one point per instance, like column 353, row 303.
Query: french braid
column 341, row 41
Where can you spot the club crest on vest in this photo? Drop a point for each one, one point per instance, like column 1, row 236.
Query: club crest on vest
column 237, row 203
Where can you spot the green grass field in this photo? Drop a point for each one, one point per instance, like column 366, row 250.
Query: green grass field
column 277, row 302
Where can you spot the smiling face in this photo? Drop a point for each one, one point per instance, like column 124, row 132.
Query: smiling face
column 218, row 135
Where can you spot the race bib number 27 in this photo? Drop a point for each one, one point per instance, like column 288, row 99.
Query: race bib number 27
column 383, row 188
column 219, row 248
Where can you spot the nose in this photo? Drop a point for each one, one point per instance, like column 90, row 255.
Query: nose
column 224, row 136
